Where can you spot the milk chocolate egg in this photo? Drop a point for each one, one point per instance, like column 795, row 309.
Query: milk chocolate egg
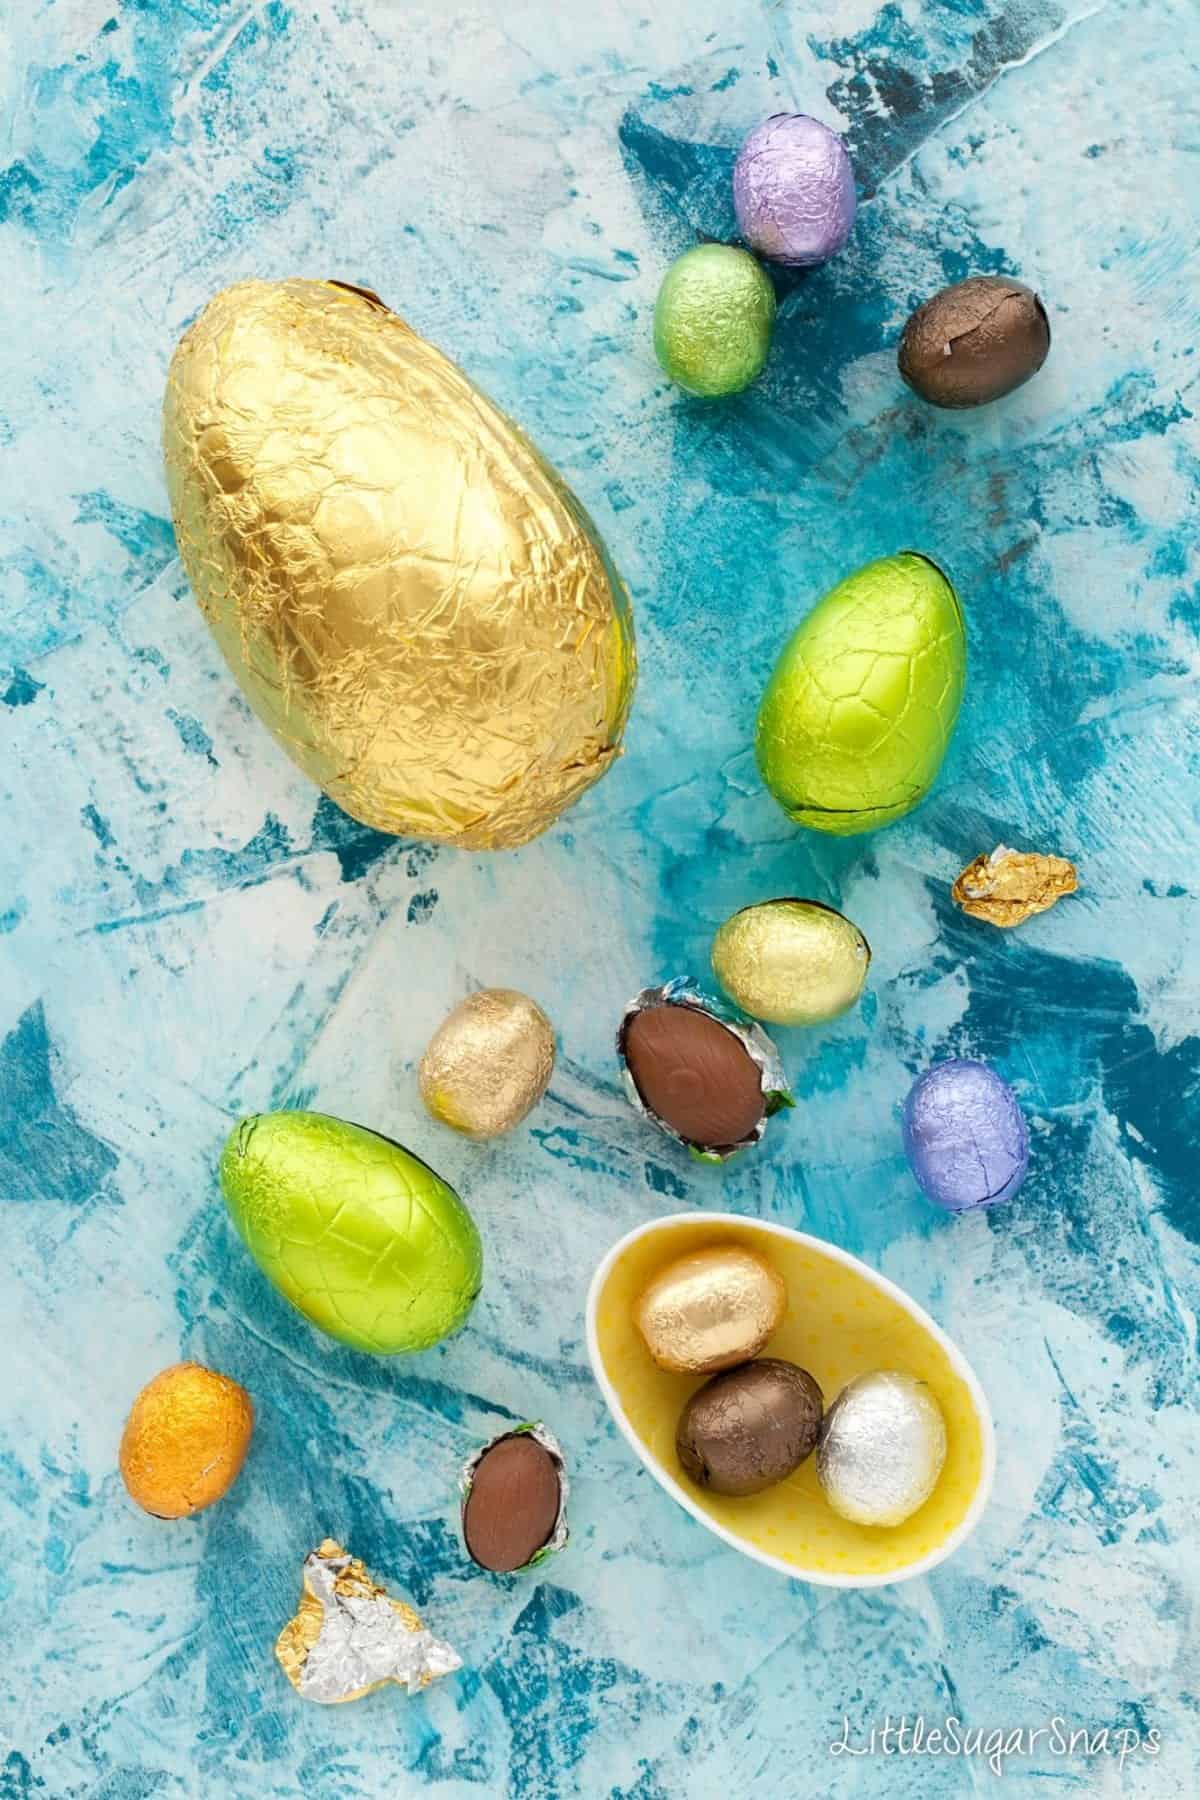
column 185, row 1440
column 974, row 342
column 514, row 1497
column 794, row 962
column 858, row 714
column 701, row 1075
column 710, row 1309
column 713, row 320
column 965, row 1135
column 355, row 1231
column 750, row 1427
column 489, row 1063
column 414, row 603
column 883, row 1444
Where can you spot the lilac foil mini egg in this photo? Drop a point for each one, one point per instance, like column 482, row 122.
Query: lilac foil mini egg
column 793, row 189
column 965, row 1136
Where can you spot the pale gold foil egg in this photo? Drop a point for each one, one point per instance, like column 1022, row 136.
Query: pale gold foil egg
column 794, row 962
column 185, row 1440
column 711, row 1309
column 489, row 1064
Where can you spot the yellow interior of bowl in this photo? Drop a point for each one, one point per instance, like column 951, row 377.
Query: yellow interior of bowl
column 837, row 1325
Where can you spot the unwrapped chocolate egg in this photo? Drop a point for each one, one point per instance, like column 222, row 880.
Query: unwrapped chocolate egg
column 355, row 1231
column 514, row 1500
column 185, row 1440
column 965, row 1135
column 713, row 320
column 883, row 1444
column 975, row 341
column 794, row 962
column 858, row 713
column 412, row 600
column 489, row 1063
column 710, row 1309
column 793, row 190
column 706, row 1078
column 749, row 1427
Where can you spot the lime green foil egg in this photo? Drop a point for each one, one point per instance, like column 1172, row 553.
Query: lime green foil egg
column 360, row 1235
column 861, row 706
column 713, row 320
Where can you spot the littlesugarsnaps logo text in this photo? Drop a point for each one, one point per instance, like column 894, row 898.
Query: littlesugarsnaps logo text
column 993, row 1744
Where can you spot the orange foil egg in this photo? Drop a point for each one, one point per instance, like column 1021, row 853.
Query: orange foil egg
column 185, row 1440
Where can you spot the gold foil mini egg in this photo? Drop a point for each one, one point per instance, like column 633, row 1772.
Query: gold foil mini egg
column 794, row 962
column 185, row 1440
column 489, row 1063
column 710, row 1309
column 1009, row 886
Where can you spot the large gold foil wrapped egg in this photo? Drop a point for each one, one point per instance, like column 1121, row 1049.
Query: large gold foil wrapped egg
column 185, row 1440
column 794, row 962
column 710, row 1309
column 489, row 1063
column 413, row 601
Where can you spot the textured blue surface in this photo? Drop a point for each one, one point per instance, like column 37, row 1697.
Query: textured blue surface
column 188, row 931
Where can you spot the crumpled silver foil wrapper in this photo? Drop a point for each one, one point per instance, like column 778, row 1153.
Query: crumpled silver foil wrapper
column 882, row 1448
column 681, row 991
column 538, row 1432
column 349, row 1636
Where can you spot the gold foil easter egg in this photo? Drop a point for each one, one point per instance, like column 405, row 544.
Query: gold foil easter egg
column 413, row 601
column 185, row 1440
column 489, row 1063
column 710, row 1309
column 794, row 962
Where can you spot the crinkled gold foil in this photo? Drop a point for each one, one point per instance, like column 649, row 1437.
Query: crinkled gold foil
column 711, row 1309
column 185, row 1440
column 792, row 962
column 489, row 1063
column 349, row 1637
column 1009, row 886
column 411, row 598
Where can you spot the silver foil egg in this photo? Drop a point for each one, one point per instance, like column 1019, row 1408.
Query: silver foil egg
column 883, row 1444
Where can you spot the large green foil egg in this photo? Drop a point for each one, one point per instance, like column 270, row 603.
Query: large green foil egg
column 857, row 716
column 360, row 1235
column 713, row 320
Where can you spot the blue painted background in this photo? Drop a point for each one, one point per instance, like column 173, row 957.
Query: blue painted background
column 189, row 931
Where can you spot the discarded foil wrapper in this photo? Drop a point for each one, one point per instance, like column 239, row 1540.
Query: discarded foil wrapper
column 776, row 1093
column 349, row 1637
column 537, row 1431
column 1009, row 886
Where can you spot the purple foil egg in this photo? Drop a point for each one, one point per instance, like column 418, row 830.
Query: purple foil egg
column 793, row 189
column 965, row 1136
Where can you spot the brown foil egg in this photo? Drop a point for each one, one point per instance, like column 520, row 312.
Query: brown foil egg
column 750, row 1427
column 513, row 1501
column 710, row 1309
column 974, row 342
column 185, row 1440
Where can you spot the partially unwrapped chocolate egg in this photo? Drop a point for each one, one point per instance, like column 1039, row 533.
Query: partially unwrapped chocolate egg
column 749, row 1427
column 975, row 342
column 703, row 1076
column 489, row 1063
column 514, row 1500
column 185, row 1440
column 794, row 962
column 710, row 1309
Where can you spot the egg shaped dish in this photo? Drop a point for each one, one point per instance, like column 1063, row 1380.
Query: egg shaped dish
column 842, row 1320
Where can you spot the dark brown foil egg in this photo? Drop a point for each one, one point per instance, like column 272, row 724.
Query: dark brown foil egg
column 693, row 1072
column 974, row 342
column 749, row 1427
column 512, row 1507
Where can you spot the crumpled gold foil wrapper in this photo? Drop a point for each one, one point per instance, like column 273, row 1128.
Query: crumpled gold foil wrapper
column 711, row 1309
column 1010, row 886
column 489, row 1063
column 350, row 1637
column 413, row 601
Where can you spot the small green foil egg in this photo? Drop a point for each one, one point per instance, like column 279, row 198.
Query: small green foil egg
column 713, row 320
column 794, row 962
column 858, row 714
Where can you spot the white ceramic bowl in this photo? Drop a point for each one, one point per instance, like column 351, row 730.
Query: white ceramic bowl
column 843, row 1320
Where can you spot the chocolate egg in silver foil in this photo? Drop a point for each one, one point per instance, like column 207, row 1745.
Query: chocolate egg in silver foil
column 883, row 1444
